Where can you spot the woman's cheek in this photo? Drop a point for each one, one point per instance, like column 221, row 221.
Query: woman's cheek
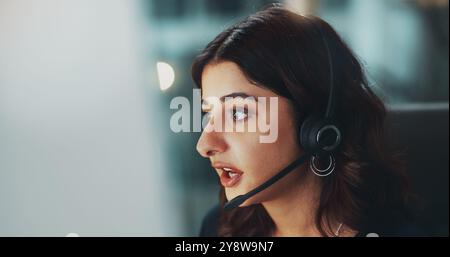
column 255, row 159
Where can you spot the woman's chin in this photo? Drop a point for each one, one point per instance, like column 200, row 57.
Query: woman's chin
column 231, row 194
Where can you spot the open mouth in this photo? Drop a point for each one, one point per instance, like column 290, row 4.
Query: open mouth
column 231, row 173
column 229, row 176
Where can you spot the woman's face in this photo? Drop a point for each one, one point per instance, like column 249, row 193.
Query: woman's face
column 240, row 159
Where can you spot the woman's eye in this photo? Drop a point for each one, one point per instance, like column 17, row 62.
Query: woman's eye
column 239, row 114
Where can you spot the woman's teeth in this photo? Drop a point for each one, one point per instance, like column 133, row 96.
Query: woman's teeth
column 230, row 172
column 230, row 177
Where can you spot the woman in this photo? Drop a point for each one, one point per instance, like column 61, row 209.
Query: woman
column 277, row 53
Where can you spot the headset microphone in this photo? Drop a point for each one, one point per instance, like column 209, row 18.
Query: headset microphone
column 314, row 135
column 235, row 202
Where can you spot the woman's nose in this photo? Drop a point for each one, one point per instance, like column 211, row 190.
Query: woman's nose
column 211, row 143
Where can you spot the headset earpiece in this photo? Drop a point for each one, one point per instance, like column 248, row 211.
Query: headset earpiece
column 319, row 135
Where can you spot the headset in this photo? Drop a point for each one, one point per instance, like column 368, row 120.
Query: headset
column 318, row 135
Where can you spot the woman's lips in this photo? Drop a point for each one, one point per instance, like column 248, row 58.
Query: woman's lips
column 229, row 176
column 229, row 179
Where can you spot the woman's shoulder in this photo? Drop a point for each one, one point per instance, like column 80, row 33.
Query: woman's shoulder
column 210, row 223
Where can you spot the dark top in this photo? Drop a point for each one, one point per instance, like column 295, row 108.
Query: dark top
column 210, row 225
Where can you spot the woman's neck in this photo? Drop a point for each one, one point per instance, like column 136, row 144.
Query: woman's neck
column 293, row 211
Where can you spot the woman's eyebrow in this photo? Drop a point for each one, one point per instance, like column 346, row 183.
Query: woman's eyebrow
column 238, row 94
column 233, row 95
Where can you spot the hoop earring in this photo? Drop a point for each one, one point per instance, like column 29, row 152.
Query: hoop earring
column 322, row 172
